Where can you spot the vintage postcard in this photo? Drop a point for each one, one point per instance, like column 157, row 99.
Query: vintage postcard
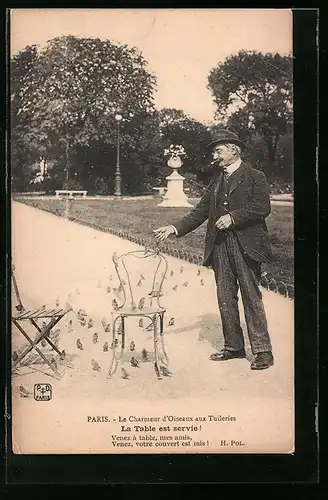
column 152, row 231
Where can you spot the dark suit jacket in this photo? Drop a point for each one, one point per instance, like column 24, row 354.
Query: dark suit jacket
column 249, row 205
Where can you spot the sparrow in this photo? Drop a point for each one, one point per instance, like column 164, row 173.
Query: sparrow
column 144, row 354
column 139, row 283
column 104, row 322
column 107, row 328
column 132, row 346
column 134, row 362
column 110, row 277
column 114, row 344
column 90, row 323
column 57, row 303
column 83, row 322
column 165, row 371
column 81, row 313
column 142, row 277
column 79, row 344
column 109, row 289
column 124, row 373
column 43, row 343
column 171, row 322
column 115, row 304
column 175, row 287
column 198, row 272
column 172, row 273
column 53, row 362
column 70, row 326
column 202, row 282
column 141, row 302
column 141, row 323
column 95, row 338
column 105, row 347
column 181, row 270
column 24, row 393
column 15, row 356
column 185, row 283
column 95, row 365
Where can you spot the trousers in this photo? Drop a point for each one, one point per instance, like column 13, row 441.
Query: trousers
column 234, row 270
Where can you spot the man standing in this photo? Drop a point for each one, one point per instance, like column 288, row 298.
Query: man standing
column 236, row 203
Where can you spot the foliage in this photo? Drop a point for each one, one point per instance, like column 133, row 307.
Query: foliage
column 253, row 93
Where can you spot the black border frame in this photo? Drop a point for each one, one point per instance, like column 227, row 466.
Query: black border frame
column 302, row 466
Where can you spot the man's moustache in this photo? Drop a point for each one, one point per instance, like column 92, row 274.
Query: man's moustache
column 215, row 161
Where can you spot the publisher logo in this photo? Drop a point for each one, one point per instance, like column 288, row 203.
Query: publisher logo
column 42, row 392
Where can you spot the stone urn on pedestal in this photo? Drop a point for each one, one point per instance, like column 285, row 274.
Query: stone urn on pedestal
column 175, row 196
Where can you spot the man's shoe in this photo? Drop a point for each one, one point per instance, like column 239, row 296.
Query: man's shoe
column 262, row 361
column 225, row 355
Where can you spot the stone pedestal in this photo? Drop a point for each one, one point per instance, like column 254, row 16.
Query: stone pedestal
column 175, row 196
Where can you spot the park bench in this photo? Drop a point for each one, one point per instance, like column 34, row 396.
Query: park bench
column 70, row 192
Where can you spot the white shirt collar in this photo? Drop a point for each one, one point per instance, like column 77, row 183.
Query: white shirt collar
column 231, row 168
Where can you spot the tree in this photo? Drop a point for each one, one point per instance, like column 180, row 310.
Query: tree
column 69, row 93
column 253, row 93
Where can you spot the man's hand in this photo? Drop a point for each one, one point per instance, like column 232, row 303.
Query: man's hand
column 163, row 232
column 224, row 222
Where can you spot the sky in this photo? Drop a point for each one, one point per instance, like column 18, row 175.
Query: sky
column 180, row 45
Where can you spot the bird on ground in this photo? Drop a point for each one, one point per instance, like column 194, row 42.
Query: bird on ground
column 172, row 273
column 115, row 304
column 24, row 393
column 171, row 322
column 181, row 270
column 81, row 313
column 165, row 371
column 141, row 323
column 141, row 303
column 105, row 347
column 15, row 356
column 95, row 366
column 79, row 344
column 83, row 322
column 142, row 277
column 202, row 282
column 175, row 287
column 198, row 272
column 134, row 362
column 125, row 374
column 70, row 326
column 43, row 343
column 107, row 328
column 95, row 338
column 185, row 283
column 53, row 362
column 120, row 328
column 139, row 283
column 90, row 323
column 109, row 289
column 144, row 355
column 132, row 346
column 57, row 302
column 103, row 322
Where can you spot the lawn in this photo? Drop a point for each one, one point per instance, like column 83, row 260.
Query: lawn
column 140, row 217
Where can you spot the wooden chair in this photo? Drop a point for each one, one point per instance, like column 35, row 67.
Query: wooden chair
column 148, row 306
column 21, row 316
